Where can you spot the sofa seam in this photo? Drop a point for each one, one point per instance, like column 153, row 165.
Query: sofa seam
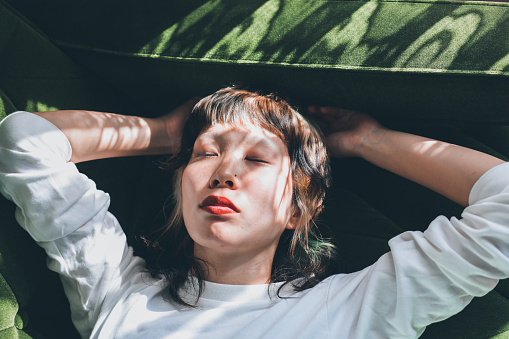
column 281, row 64
column 7, row 328
column 27, row 23
column 444, row 2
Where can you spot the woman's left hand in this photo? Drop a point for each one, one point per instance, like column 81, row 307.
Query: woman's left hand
column 448, row 169
column 346, row 130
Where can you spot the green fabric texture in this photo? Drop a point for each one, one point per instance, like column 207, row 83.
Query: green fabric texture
column 8, row 305
column 409, row 63
column 35, row 76
column 387, row 57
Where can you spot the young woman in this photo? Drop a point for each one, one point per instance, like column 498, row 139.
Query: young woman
column 251, row 175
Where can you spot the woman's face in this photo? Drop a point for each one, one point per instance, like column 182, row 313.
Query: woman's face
column 237, row 191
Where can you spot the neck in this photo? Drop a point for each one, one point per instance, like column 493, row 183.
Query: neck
column 236, row 269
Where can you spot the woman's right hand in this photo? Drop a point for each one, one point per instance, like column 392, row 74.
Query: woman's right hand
column 96, row 135
column 175, row 121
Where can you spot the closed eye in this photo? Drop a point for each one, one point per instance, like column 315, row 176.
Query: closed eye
column 206, row 155
column 257, row 160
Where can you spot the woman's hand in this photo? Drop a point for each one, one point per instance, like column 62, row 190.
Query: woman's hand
column 347, row 130
column 448, row 169
column 96, row 135
column 174, row 123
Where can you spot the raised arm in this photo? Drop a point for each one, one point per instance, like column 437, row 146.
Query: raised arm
column 448, row 169
column 65, row 212
column 96, row 135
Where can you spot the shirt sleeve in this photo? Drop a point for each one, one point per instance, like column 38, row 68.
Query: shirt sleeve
column 432, row 275
column 65, row 214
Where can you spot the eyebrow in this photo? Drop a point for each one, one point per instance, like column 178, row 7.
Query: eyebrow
column 264, row 143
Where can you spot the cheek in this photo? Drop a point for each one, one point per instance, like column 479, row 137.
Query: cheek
column 285, row 184
column 192, row 181
column 185, row 187
column 189, row 189
column 277, row 193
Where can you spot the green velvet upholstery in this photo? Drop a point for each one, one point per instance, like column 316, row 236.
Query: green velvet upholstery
column 383, row 56
column 437, row 68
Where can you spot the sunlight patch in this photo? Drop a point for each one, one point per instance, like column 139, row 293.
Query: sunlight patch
column 244, row 41
column 425, row 51
column 349, row 36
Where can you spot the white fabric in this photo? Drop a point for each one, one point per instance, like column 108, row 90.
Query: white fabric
column 425, row 278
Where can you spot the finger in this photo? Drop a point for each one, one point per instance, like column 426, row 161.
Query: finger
column 185, row 109
column 313, row 109
column 323, row 125
column 191, row 102
column 336, row 111
column 320, row 110
column 319, row 118
column 332, row 111
column 318, row 114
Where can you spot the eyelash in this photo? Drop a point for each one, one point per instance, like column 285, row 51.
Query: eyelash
column 257, row 160
column 249, row 159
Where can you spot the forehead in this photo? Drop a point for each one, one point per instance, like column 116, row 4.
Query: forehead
column 242, row 134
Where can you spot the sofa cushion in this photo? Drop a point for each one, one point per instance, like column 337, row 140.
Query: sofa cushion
column 446, row 60
column 35, row 76
column 417, row 61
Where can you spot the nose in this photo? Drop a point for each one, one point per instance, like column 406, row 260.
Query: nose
column 224, row 176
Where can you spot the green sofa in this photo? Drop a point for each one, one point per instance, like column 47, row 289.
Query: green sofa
column 439, row 68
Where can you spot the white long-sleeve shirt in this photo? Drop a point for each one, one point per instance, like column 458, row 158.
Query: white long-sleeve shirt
column 426, row 277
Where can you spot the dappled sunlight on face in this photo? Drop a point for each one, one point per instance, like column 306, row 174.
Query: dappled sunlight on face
column 250, row 167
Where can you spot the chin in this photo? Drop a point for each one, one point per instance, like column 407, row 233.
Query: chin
column 217, row 238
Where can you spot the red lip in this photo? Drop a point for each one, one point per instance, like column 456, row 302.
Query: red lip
column 218, row 205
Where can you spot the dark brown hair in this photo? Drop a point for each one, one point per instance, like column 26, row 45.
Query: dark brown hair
column 301, row 253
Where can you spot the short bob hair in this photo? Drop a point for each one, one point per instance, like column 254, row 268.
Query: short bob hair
column 302, row 253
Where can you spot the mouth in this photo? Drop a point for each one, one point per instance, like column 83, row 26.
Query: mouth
column 218, row 205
